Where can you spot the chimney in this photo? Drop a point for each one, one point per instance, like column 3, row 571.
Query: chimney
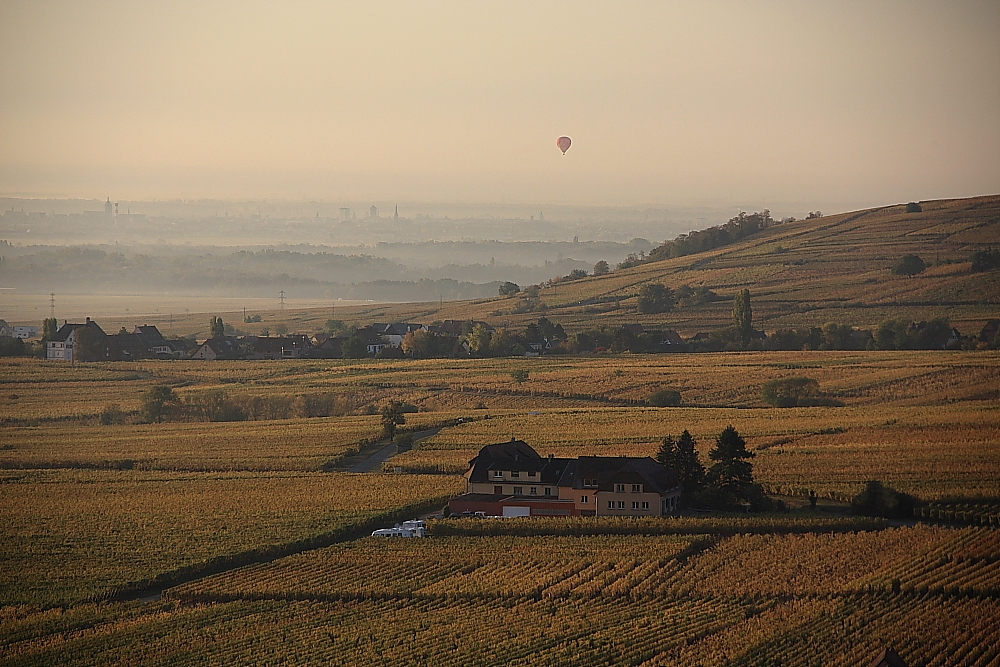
column 550, row 457
column 88, row 320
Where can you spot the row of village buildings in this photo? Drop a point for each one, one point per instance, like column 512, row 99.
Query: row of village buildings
column 146, row 342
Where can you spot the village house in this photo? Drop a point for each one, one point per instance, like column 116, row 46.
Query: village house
column 222, row 347
column 511, row 479
column 328, row 347
column 143, row 342
column 62, row 346
column 395, row 333
column 283, row 347
column 25, row 332
column 373, row 341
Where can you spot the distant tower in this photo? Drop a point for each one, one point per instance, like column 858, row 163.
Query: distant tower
column 109, row 208
column 373, row 212
column 52, row 305
column 395, row 216
column 345, row 213
column 281, row 298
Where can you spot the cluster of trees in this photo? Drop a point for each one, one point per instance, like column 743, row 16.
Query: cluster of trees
column 655, row 298
column 902, row 334
column 880, row 500
column 739, row 227
column 795, row 392
column 831, row 336
column 14, row 347
column 160, row 403
column 480, row 341
column 623, row 339
column 510, row 289
column 727, row 485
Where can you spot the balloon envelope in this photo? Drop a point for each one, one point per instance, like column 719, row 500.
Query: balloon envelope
column 563, row 143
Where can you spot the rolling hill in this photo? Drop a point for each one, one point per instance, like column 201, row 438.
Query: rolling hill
column 835, row 268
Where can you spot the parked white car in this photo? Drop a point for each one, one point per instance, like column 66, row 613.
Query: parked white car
column 414, row 528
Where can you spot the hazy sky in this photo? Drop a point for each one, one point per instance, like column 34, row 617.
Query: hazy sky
column 666, row 102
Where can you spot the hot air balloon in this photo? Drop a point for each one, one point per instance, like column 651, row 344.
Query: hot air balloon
column 563, row 143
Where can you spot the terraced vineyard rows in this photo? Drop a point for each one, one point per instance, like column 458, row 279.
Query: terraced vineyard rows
column 70, row 535
column 623, row 600
column 633, row 567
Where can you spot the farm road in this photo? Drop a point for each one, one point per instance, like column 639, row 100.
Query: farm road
column 375, row 461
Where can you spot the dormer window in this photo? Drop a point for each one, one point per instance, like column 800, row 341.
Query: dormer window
column 637, row 488
column 515, row 473
column 498, row 473
column 532, row 473
column 619, row 488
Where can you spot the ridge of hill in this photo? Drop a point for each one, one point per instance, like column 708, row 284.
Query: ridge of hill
column 835, row 268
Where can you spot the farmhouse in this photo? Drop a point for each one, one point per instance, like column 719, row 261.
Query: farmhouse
column 511, row 479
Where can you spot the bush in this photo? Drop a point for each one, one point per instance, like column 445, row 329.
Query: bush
column 790, row 392
column 520, row 375
column 913, row 207
column 390, row 352
column 665, row 398
column 909, row 265
column 508, row 289
column 11, row 347
column 881, row 501
column 112, row 414
column 985, row 260
column 404, row 442
column 655, row 298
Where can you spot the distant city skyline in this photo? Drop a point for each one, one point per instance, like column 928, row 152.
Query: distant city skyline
column 843, row 105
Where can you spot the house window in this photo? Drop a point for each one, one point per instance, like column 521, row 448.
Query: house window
column 590, row 482
column 498, row 473
column 515, row 473
column 637, row 488
column 621, row 504
column 534, row 490
column 619, row 488
column 635, row 505
column 645, row 505
column 585, row 499
column 498, row 490
column 611, row 504
column 548, row 490
column 518, row 490
column 532, row 473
